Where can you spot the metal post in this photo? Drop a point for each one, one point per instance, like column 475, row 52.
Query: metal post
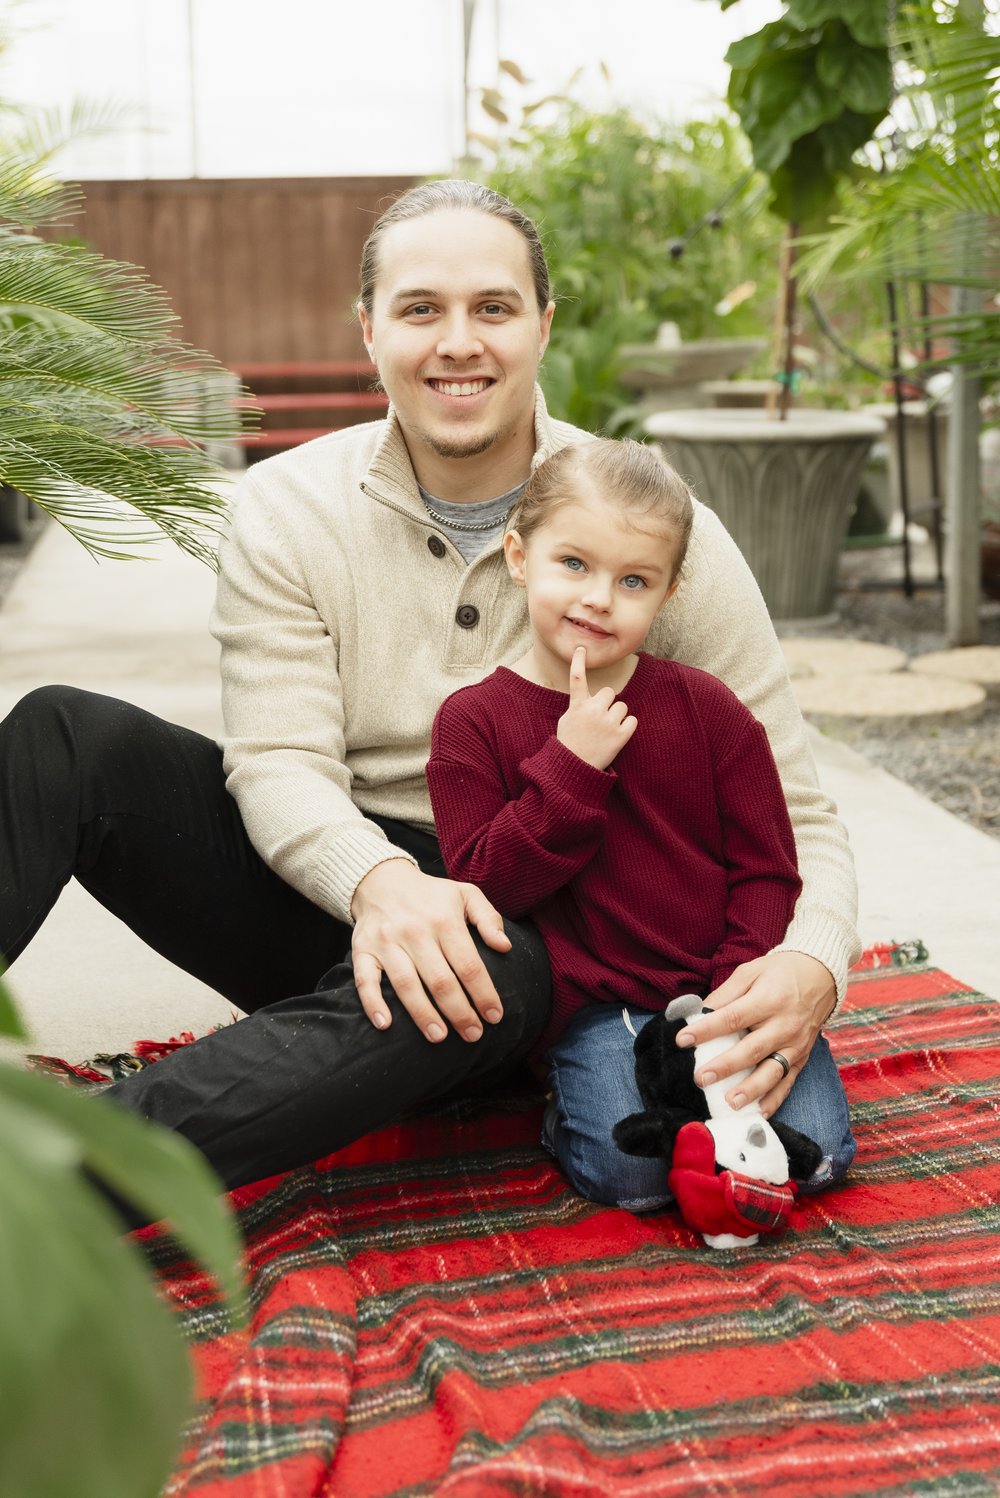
column 899, row 436
column 933, row 446
column 963, row 536
column 964, row 540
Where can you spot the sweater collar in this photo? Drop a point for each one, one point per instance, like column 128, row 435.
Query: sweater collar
column 390, row 472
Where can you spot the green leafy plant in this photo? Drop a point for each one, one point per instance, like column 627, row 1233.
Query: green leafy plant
column 928, row 213
column 104, row 413
column 810, row 90
column 95, row 1383
column 616, row 201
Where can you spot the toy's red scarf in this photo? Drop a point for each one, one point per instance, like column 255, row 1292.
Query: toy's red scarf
column 714, row 1201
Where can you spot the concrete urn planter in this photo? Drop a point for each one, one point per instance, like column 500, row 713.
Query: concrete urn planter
column 784, row 490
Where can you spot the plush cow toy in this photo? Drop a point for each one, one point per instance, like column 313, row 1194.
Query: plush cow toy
column 728, row 1169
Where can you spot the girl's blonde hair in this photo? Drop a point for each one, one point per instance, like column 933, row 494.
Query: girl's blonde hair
column 633, row 475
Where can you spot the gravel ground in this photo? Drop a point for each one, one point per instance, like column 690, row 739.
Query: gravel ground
column 956, row 764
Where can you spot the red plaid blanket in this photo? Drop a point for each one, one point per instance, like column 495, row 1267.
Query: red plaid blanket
column 436, row 1312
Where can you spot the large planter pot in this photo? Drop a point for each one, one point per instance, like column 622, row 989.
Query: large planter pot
column 671, row 373
column 13, row 514
column 784, row 490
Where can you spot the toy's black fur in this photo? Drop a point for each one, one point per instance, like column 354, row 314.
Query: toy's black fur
column 664, row 1075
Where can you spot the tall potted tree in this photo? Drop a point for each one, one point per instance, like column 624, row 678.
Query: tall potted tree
column 810, row 90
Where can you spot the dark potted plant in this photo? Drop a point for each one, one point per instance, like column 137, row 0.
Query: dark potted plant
column 809, row 89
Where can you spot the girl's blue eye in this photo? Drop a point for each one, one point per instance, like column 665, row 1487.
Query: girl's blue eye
column 573, row 563
column 633, row 581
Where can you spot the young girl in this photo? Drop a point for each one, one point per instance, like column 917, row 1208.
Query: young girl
column 629, row 805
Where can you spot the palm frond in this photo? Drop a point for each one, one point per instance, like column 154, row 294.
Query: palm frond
column 182, row 390
column 29, row 198
column 96, row 293
column 43, row 133
column 115, row 497
column 102, row 408
column 905, row 240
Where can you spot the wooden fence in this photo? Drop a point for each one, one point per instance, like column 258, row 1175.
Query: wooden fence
column 257, row 270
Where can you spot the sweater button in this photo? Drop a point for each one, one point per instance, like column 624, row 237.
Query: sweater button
column 435, row 546
column 467, row 615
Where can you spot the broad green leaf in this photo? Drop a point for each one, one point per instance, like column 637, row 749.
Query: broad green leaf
column 10, row 1020
column 151, row 1167
column 866, row 20
column 761, row 46
column 798, row 196
column 834, row 62
column 862, row 75
column 795, row 106
column 867, row 84
column 838, row 139
column 89, row 1357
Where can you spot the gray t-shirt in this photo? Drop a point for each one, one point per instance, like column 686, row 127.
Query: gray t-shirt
column 471, row 527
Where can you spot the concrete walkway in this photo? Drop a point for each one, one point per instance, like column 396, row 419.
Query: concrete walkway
column 138, row 630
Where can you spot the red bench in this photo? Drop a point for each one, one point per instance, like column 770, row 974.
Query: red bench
column 276, row 399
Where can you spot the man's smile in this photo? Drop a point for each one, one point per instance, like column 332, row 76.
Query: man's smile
column 460, row 387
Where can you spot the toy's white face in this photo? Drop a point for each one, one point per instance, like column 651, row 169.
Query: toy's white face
column 750, row 1147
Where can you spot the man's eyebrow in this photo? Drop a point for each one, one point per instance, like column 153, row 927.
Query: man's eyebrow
column 501, row 293
column 487, row 293
column 417, row 294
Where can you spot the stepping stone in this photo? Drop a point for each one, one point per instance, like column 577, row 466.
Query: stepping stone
column 894, row 697
column 819, row 657
column 980, row 663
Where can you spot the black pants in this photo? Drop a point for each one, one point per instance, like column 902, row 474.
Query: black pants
column 137, row 810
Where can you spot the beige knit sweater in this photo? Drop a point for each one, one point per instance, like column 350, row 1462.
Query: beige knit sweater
column 340, row 633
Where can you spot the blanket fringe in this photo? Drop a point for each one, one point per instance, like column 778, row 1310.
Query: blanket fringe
column 891, row 954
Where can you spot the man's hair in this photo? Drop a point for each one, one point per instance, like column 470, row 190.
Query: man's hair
column 433, row 196
column 629, row 473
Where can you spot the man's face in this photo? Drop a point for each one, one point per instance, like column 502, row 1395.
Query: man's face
column 456, row 335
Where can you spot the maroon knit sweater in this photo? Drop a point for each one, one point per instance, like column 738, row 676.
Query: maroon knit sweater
column 655, row 877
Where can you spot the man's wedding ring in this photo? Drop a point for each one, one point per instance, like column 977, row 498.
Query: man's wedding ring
column 782, row 1062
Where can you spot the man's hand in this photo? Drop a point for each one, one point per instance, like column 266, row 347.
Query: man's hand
column 415, row 930
column 595, row 728
column 783, row 1000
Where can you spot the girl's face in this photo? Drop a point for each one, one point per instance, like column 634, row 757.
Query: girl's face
column 592, row 579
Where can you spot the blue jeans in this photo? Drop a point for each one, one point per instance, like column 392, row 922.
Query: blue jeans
column 592, row 1086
